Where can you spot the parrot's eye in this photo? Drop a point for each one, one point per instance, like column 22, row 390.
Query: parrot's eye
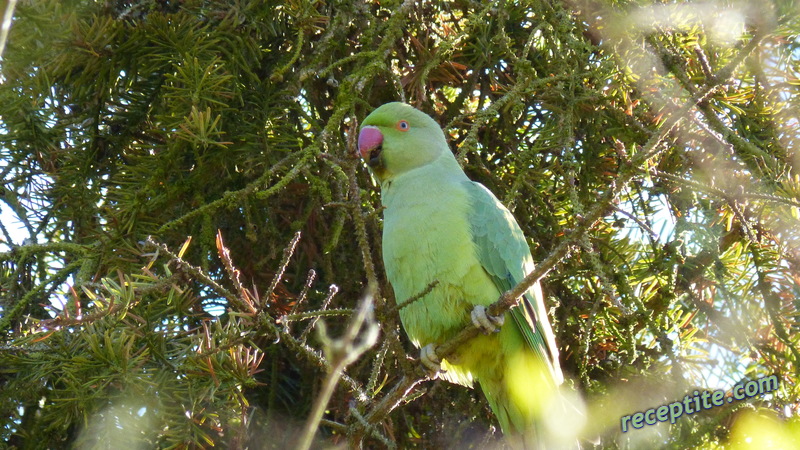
column 403, row 125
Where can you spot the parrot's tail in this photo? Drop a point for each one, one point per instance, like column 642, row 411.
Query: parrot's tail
column 520, row 395
column 519, row 424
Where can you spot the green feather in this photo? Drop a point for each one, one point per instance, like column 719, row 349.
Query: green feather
column 504, row 253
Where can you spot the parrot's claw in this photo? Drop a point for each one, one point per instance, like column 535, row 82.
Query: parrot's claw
column 484, row 322
column 429, row 358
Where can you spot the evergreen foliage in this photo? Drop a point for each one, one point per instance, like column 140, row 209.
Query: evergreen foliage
column 161, row 157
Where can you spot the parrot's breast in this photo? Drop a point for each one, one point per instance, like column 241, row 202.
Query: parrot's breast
column 427, row 237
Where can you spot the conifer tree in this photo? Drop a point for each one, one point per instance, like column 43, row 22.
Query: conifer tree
column 190, row 246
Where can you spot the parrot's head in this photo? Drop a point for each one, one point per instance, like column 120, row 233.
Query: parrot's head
column 397, row 137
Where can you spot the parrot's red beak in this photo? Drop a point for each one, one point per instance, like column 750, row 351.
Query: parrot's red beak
column 370, row 142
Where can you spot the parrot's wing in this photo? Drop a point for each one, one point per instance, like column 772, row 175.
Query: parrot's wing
column 504, row 254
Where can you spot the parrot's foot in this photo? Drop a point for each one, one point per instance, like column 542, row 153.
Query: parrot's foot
column 484, row 322
column 429, row 358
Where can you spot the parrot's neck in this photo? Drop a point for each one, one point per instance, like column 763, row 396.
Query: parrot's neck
column 425, row 180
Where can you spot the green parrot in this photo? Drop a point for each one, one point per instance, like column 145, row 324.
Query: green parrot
column 440, row 226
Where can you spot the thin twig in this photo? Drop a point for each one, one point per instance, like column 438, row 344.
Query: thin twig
column 372, row 429
column 638, row 221
column 287, row 255
column 312, row 275
column 340, row 352
column 360, row 225
column 376, row 366
column 332, row 290
column 417, row 296
column 316, row 314
column 198, row 273
column 233, row 273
